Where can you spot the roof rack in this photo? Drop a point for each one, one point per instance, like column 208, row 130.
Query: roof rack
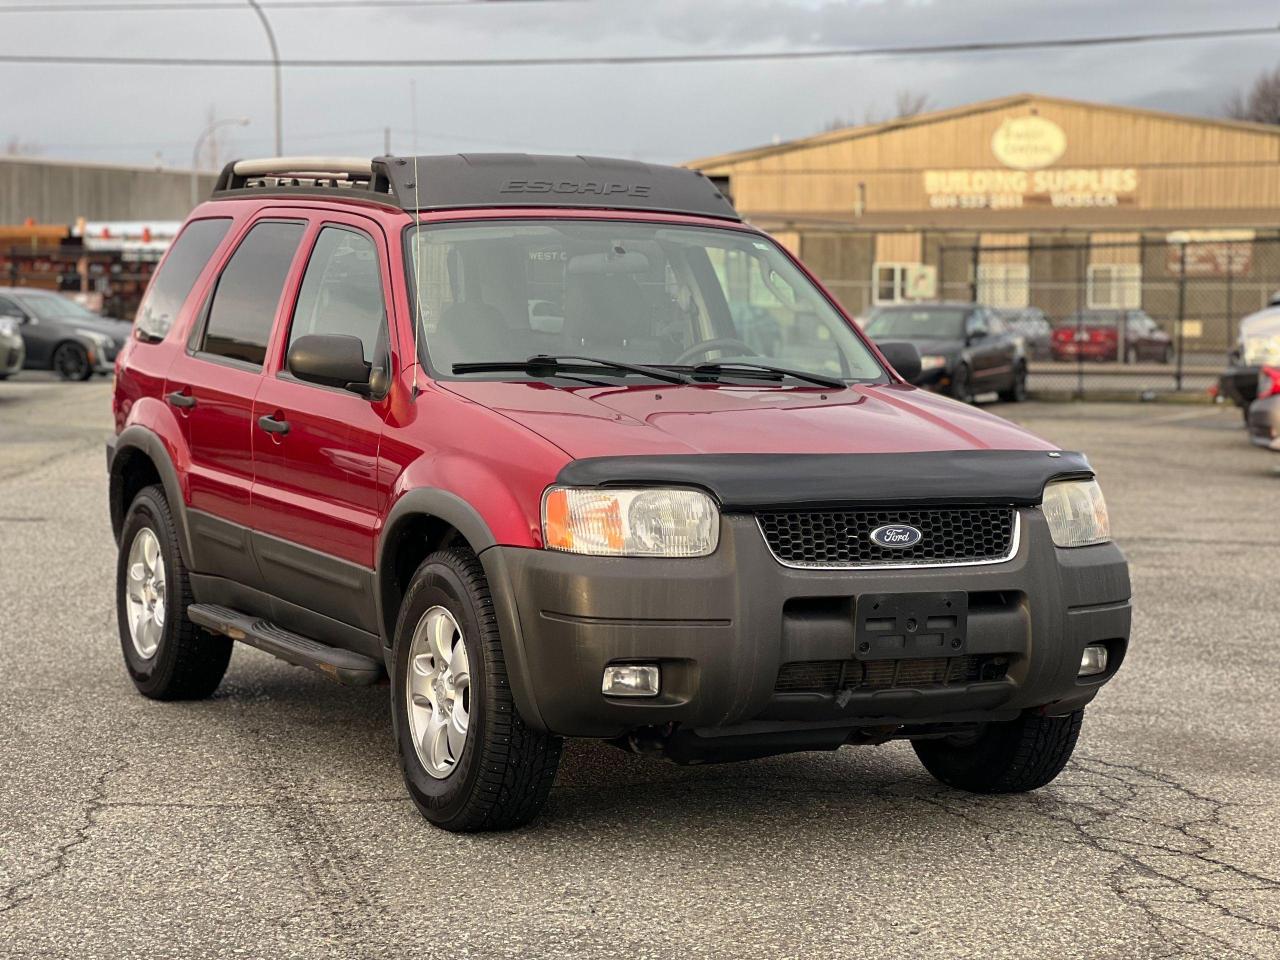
column 465, row 181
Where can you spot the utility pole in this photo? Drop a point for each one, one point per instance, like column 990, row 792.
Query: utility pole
column 413, row 113
column 195, row 154
column 275, row 66
column 386, row 141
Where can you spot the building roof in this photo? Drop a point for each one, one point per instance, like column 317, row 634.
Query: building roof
column 941, row 116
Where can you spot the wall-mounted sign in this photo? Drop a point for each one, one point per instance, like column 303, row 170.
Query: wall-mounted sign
column 1028, row 143
column 1028, row 146
column 1210, row 253
column 1006, row 189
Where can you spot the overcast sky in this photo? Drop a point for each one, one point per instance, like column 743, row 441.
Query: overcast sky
column 653, row 112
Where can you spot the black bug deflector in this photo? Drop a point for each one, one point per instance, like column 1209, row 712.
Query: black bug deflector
column 748, row 481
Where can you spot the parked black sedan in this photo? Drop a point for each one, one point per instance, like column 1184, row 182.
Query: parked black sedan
column 965, row 348
column 61, row 335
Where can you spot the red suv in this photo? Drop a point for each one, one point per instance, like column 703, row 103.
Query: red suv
column 562, row 447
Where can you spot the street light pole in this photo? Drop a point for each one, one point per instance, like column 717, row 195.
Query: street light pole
column 195, row 154
column 275, row 66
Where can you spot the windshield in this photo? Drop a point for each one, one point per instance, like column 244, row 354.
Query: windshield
column 636, row 293
column 48, row 307
column 917, row 323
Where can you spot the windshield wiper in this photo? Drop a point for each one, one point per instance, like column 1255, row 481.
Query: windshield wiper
column 746, row 368
column 544, row 365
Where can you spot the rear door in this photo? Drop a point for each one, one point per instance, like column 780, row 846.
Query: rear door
column 212, row 385
column 318, row 497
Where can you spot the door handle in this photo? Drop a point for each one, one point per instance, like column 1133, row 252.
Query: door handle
column 180, row 399
column 272, row 425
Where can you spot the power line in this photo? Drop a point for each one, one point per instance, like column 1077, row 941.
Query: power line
column 400, row 62
column 175, row 6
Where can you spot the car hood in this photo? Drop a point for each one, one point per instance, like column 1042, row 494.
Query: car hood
column 652, row 420
column 117, row 329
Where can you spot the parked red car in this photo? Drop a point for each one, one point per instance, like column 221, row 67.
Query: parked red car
column 1125, row 336
column 562, row 447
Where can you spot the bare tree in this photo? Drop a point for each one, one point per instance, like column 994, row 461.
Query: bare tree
column 906, row 103
column 1260, row 103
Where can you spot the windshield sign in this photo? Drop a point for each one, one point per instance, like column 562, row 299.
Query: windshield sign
column 626, row 293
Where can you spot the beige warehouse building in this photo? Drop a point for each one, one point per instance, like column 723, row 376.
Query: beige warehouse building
column 1029, row 201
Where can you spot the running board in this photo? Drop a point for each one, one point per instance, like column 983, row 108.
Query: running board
column 345, row 666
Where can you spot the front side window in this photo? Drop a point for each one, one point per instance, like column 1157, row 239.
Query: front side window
column 244, row 303
column 177, row 275
column 654, row 294
column 342, row 291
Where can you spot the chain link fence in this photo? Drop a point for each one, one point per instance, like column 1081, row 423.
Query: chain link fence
column 1141, row 317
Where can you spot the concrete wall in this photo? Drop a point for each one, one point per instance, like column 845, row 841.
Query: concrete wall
column 58, row 192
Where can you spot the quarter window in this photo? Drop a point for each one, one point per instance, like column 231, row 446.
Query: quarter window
column 244, row 304
column 172, row 285
column 342, row 291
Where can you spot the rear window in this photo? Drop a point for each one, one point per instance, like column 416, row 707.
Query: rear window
column 172, row 285
column 244, row 304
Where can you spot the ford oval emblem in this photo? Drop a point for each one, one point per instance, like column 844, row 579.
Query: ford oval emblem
column 896, row 536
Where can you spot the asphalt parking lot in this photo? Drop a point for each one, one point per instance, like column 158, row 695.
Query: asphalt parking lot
column 270, row 821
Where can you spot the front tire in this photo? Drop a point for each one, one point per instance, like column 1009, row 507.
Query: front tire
column 71, row 362
column 168, row 656
column 469, row 761
column 961, row 384
column 1017, row 391
column 1010, row 757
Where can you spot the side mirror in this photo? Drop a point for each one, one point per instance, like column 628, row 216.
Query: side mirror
column 332, row 360
column 903, row 357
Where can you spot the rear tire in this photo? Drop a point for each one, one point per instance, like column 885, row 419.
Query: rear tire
column 71, row 362
column 168, row 656
column 1010, row 757
column 499, row 775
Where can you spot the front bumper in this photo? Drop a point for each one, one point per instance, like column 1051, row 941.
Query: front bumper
column 1264, row 422
column 1239, row 385
column 13, row 354
column 722, row 626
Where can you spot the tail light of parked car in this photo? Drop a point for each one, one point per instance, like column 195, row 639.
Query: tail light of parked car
column 1268, row 382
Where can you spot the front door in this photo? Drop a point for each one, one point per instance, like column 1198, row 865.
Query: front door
column 212, row 386
column 318, row 498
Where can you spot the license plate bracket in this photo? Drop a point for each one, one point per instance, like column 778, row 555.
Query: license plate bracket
column 904, row 626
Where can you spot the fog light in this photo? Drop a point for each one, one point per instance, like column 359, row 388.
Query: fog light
column 1094, row 660
column 631, row 680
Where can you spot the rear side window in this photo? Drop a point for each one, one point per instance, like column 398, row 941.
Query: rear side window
column 342, row 290
column 172, row 285
column 244, row 304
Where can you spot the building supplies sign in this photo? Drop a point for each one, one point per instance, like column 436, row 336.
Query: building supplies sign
column 1028, row 146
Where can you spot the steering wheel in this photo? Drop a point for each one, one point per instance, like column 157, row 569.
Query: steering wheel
column 719, row 343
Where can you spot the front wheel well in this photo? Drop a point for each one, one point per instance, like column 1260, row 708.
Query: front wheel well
column 407, row 544
column 131, row 471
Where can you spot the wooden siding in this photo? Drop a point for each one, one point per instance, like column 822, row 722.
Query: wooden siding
column 1182, row 163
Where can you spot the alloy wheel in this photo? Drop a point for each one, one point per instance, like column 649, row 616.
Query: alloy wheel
column 438, row 691
column 145, row 594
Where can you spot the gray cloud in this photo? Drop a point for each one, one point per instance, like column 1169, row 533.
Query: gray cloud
column 663, row 112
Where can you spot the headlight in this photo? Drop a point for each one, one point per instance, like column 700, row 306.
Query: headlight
column 932, row 363
column 630, row 523
column 1077, row 513
column 8, row 326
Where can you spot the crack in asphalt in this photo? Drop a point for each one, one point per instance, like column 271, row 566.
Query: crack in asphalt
column 23, row 891
column 1159, row 873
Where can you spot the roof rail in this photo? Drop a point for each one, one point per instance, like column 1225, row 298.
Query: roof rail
column 494, row 180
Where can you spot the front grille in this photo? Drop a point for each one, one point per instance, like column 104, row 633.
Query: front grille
column 829, row 676
column 949, row 535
